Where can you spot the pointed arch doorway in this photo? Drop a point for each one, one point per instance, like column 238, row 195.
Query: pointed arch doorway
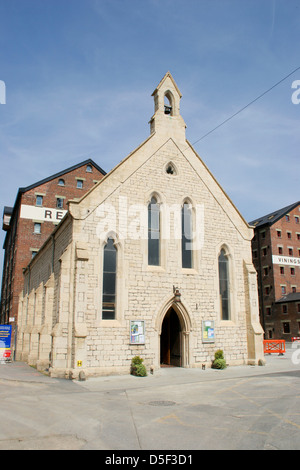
column 171, row 341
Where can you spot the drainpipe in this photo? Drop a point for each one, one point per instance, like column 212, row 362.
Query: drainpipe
column 53, row 252
column 261, row 295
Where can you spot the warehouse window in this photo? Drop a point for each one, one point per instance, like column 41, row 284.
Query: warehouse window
column 59, row 202
column 283, row 289
column 284, row 308
column 39, row 200
column 286, row 327
column 109, row 281
column 37, row 227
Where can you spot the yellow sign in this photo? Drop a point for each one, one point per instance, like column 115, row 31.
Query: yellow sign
column 79, row 363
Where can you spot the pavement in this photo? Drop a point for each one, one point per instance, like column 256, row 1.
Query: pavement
column 20, row 371
column 239, row 408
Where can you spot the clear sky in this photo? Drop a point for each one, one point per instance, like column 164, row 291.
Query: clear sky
column 79, row 75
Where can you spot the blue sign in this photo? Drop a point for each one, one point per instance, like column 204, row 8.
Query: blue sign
column 5, row 336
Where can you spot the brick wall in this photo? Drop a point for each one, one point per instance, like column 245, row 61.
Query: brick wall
column 21, row 243
column 289, row 231
column 278, row 279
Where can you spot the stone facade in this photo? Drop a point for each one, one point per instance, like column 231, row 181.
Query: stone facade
column 61, row 326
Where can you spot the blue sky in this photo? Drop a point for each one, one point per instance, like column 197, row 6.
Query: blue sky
column 79, row 75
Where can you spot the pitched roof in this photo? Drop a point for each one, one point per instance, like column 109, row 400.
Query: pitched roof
column 10, row 210
column 63, row 172
column 273, row 217
column 293, row 297
column 167, row 75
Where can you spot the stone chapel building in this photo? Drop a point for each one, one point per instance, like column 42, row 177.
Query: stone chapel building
column 155, row 261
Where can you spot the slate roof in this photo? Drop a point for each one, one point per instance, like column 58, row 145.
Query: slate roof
column 273, row 217
column 63, row 172
column 8, row 210
column 293, row 297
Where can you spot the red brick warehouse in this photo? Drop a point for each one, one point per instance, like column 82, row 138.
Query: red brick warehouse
column 276, row 257
column 28, row 224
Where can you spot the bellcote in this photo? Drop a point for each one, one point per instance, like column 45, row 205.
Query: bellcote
column 167, row 118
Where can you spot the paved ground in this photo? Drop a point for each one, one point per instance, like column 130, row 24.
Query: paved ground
column 175, row 409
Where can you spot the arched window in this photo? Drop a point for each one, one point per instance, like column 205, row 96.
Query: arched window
column 171, row 169
column 168, row 103
column 109, row 280
column 187, row 235
column 153, row 233
column 224, row 285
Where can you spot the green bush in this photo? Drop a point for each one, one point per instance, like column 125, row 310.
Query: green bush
column 140, row 370
column 219, row 364
column 137, row 367
column 219, row 354
column 136, row 360
column 219, row 361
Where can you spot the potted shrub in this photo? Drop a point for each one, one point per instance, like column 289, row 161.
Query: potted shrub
column 137, row 367
column 219, row 361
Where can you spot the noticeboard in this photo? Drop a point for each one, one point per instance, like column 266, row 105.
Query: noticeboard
column 137, row 332
column 5, row 341
column 208, row 331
